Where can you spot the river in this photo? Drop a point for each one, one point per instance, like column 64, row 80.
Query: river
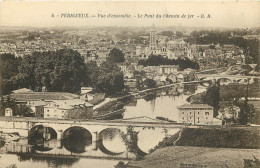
column 78, row 151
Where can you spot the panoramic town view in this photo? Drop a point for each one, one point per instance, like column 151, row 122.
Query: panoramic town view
column 115, row 94
column 122, row 96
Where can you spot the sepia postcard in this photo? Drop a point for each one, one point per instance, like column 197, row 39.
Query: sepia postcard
column 129, row 84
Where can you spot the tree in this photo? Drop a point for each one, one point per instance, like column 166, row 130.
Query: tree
column 8, row 69
column 178, row 33
column 77, row 113
column 93, row 72
column 212, row 98
column 167, row 33
column 61, row 71
column 116, row 55
column 247, row 111
column 149, row 83
column 20, row 110
column 156, row 60
column 131, row 141
column 107, row 78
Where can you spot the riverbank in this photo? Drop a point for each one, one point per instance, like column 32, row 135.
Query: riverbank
column 237, row 90
column 179, row 156
column 9, row 137
column 6, row 138
column 229, row 92
column 218, row 137
column 213, row 147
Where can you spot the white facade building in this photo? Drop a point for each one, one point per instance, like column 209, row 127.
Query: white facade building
column 196, row 114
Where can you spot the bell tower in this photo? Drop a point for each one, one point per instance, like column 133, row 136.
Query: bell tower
column 152, row 45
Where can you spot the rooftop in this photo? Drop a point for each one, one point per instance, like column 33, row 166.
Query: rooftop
column 23, row 90
column 143, row 119
column 27, row 96
column 194, row 106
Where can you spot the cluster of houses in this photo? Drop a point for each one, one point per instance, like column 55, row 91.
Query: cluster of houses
column 96, row 45
column 56, row 104
column 219, row 56
column 163, row 74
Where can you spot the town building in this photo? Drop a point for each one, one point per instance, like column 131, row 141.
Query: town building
column 196, row 114
column 168, row 69
column 60, row 109
column 131, row 84
column 52, row 104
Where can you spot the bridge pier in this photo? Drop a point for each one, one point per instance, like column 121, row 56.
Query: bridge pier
column 95, row 138
column 46, row 133
column 59, row 134
column 59, row 144
column 59, row 138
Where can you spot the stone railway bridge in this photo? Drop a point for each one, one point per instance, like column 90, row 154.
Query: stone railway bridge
column 24, row 126
column 95, row 128
column 227, row 78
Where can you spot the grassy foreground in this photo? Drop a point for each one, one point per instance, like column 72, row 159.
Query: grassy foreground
column 209, row 147
column 176, row 156
column 227, row 137
column 219, row 137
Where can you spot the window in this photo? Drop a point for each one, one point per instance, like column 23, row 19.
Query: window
column 198, row 118
column 198, row 112
column 190, row 117
column 190, row 112
column 206, row 117
column 182, row 112
column 206, row 113
column 48, row 110
column 183, row 118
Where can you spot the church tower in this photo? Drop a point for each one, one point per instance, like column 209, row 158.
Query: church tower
column 152, row 45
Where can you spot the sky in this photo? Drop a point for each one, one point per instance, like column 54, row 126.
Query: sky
column 39, row 14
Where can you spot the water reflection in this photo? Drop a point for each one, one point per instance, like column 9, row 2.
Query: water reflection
column 150, row 96
column 51, row 161
column 148, row 138
column 110, row 146
column 29, row 160
column 2, row 143
column 77, row 139
column 44, row 145
column 111, row 140
column 39, row 137
column 164, row 104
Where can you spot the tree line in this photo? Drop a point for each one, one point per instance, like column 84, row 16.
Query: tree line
column 60, row 71
column 250, row 46
column 156, row 60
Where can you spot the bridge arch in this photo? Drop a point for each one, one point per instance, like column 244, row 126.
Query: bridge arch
column 42, row 137
column 244, row 80
column 111, row 141
column 77, row 139
column 42, row 131
column 224, row 81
